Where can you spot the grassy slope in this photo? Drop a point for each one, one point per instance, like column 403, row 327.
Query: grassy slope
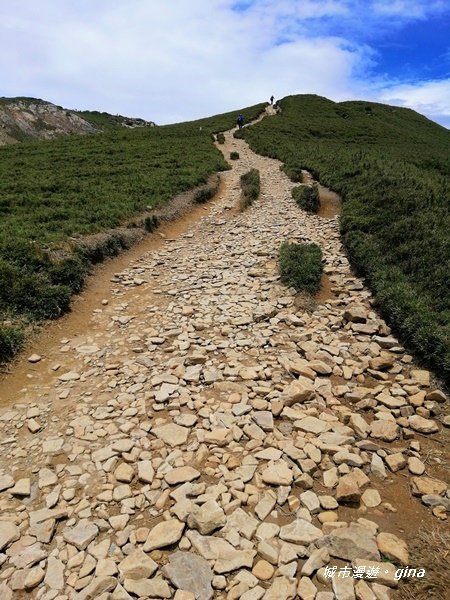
column 107, row 122
column 392, row 168
column 53, row 190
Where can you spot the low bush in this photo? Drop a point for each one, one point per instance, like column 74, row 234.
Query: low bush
column 220, row 138
column 294, row 173
column 205, row 193
column 301, row 266
column 307, row 197
column 11, row 341
column 234, row 155
column 250, row 186
column 151, row 223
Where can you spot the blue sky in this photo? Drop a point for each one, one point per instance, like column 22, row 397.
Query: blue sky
column 174, row 60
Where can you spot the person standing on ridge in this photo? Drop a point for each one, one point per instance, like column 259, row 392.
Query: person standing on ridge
column 240, row 121
column 271, row 99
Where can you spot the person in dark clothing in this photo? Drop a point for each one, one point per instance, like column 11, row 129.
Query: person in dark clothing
column 271, row 99
column 240, row 121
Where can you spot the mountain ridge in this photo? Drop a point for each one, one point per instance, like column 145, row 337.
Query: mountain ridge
column 25, row 118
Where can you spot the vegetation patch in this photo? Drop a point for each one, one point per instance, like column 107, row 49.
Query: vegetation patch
column 250, row 186
column 220, row 138
column 206, row 192
column 294, row 173
column 234, row 155
column 307, row 197
column 391, row 166
column 301, row 266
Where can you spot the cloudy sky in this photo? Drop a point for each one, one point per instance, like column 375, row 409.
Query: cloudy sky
column 172, row 60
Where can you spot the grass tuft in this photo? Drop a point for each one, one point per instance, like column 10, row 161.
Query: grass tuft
column 250, row 186
column 307, row 197
column 301, row 266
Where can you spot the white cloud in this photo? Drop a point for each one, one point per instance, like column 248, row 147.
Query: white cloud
column 409, row 9
column 170, row 61
column 431, row 98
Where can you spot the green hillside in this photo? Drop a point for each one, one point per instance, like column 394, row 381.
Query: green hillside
column 51, row 191
column 392, row 168
column 107, row 122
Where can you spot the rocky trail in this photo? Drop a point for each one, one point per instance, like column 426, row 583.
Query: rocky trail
column 206, row 433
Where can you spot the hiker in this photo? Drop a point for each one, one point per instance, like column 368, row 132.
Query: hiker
column 271, row 99
column 240, row 121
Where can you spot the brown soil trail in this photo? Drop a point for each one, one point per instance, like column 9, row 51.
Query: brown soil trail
column 189, row 386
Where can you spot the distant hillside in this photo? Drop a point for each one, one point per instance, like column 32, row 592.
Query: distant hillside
column 23, row 119
column 391, row 166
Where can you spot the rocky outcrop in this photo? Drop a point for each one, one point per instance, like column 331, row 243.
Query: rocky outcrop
column 23, row 119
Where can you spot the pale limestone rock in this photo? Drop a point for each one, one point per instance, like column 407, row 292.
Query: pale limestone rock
column 352, row 542
column 6, row 481
column 415, row 466
column 33, row 579
column 384, row 430
column 54, row 576
column 318, row 559
column 181, row 475
column 282, row 588
column 343, row 588
column 22, row 488
column 263, row 570
column 300, row 390
column 418, row 423
column 148, row 588
column 421, row 486
column 137, row 565
column 265, row 505
column 81, row 535
column 172, row 434
column 124, row 472
column 34, row 358
column 385, row 571
column 207, row 518
column 164, row 534
column 363, row 591
column 9, row 532
column 300, row 532
column 306, row 590
column 395, row 462
column 312, row 425
column 393, row 548
column 348, row 489
column 69, row 376
column 191, row 573
column 146, row 471
column 239, row 559
column 277, row 473
column 371, row 498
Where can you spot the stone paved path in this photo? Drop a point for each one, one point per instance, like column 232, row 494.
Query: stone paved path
column 214, row 436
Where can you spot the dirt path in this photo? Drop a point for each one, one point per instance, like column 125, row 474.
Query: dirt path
column 196, row 429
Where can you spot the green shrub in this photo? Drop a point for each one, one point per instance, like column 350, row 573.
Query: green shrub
column 151, row 223
column 250, row 186
column 301, row 266
column 11, row 341
column 294, row 173
column 205, row 194
column 234, row 155
column 220, row 138
column 307, row 197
